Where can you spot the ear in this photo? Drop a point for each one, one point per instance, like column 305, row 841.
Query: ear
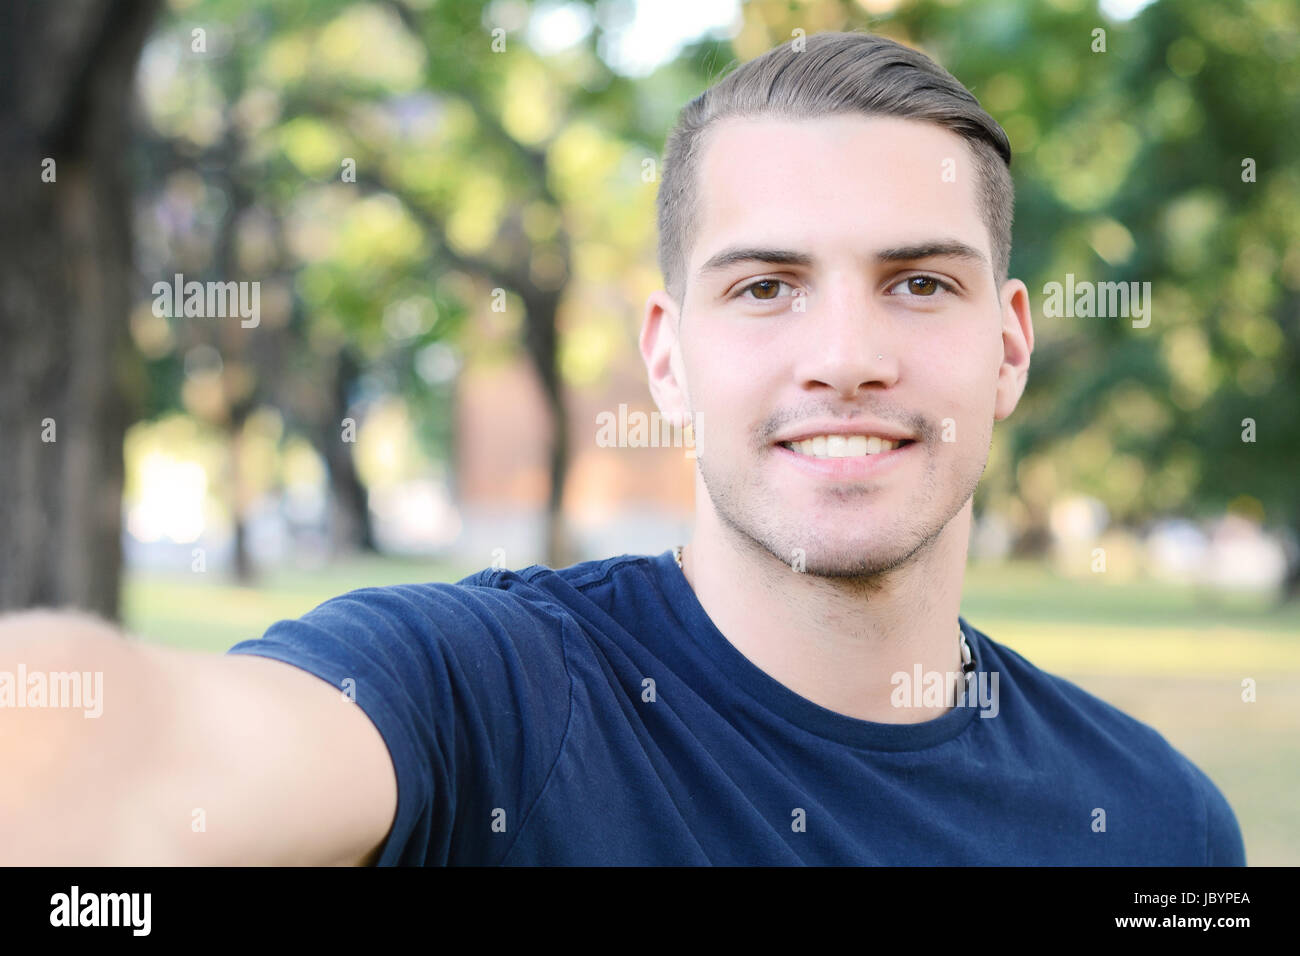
column 1017, row 344
column 661, row 351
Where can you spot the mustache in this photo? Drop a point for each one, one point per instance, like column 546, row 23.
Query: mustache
column 911, row 421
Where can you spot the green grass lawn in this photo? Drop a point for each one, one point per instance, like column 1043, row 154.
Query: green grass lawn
column 208, row 613
column 1170, row 656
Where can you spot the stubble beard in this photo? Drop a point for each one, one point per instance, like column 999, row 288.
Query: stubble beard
column 752, row 512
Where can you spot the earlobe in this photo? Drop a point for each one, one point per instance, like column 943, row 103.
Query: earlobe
column 658, row 344
column 1017, row 344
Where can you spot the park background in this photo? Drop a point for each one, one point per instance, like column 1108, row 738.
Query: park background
column 440, row 332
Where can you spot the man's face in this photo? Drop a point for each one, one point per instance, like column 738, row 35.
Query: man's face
column 872, row 317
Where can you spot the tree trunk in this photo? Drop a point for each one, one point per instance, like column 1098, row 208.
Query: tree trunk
column 1291, row 579
column 242, row 569
column 66, row 85
column 350, row 527
column 541, row 343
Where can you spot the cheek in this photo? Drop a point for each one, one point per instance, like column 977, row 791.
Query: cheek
column 958, row 381
column 962, row 350
column 720, row 394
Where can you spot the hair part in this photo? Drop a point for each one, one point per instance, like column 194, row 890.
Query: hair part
column 834, row 73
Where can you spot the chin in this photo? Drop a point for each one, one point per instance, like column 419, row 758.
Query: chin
column 828, row 558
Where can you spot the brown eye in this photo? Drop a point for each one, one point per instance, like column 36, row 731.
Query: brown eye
column 922, row 287
column 773, row 287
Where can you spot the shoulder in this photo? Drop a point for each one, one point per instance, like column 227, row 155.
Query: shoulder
column 1100, row 739
column 471, row 630
column 609, row 595
column 492, row 617
column 587, row 580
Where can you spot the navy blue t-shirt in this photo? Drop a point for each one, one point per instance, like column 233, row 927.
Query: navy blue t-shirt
column 595, row 715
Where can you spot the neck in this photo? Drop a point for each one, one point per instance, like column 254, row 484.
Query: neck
column 836, row 641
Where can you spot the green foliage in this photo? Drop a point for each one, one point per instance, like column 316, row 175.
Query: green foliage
column 478, row 167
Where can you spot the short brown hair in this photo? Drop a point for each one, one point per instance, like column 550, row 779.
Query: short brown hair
column 832, row 73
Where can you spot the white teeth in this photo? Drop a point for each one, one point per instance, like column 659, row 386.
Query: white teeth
column 842, row 446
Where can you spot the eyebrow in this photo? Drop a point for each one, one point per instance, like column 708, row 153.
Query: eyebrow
column 930, row 249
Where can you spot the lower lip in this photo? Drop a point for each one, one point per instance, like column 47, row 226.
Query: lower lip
column 854, row 468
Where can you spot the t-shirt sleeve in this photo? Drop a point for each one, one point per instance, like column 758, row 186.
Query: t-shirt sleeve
column 469, row 688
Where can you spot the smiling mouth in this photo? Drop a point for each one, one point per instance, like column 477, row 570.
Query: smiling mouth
column 844, row 446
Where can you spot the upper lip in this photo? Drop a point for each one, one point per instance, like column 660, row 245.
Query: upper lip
column 856, row 427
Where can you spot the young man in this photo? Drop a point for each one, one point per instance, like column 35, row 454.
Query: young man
column 795, row 685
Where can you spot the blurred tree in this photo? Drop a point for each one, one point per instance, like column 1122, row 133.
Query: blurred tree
column 66, row 88
column 383, row 168
column 391, row 146
column 296, row 358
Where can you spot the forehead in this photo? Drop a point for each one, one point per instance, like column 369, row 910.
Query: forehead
column 848, row 182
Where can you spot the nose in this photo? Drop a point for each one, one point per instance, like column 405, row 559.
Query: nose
column 845, row 341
